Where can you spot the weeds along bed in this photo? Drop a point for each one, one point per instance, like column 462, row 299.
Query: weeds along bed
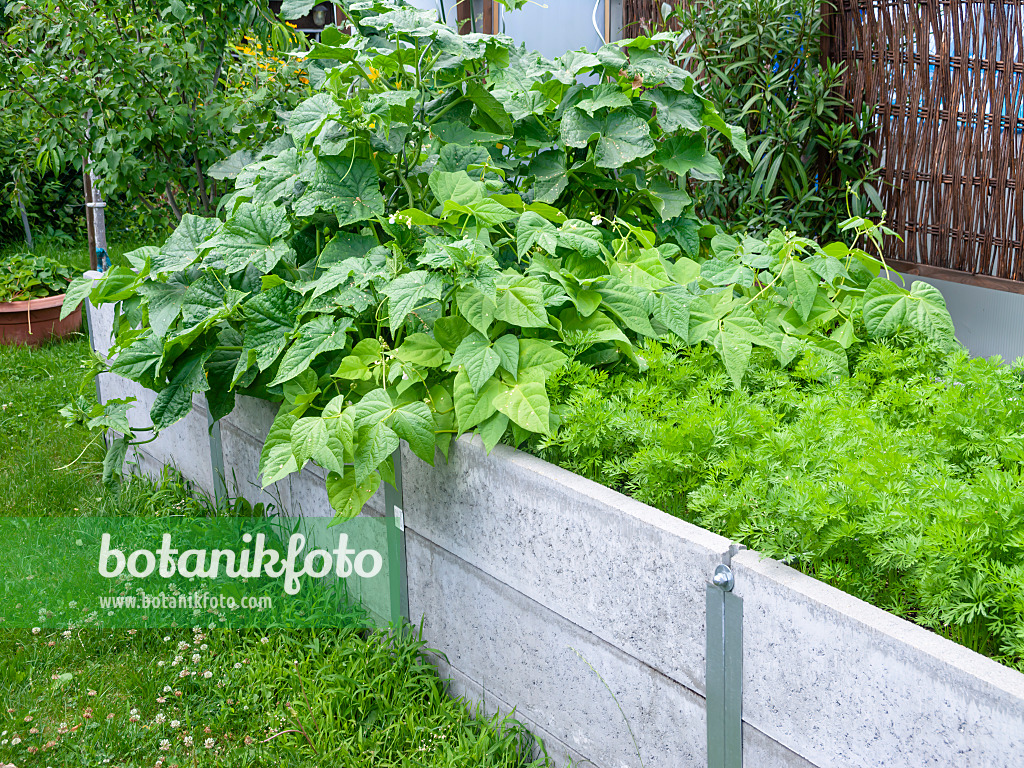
column 902, row 484
column 447, row 222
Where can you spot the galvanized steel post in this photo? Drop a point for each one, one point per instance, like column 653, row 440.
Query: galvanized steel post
column 724, row 671
column 394, row 516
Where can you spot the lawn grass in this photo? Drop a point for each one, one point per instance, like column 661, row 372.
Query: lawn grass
column 340, row 697
column 45, row 468
column 353, row 696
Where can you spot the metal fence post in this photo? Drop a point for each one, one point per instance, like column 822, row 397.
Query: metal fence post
column 724, row 671
column 398, row 577
column 220, row 491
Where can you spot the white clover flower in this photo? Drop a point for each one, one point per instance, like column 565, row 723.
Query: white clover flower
column 203, row 647
column 195, row 658
column 66, row 633
column 15, row 741
column 167, row 689
column 207, row 674
column 160, row 718
column 175, row 723
column 165, row 745
column 264, row 640
column 238, row 665
column 187, row 741
column 209, row 743
column 36, row 630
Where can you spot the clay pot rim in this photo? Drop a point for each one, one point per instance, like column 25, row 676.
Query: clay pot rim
column 28, row 305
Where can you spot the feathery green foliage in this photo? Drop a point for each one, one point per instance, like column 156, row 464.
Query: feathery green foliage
column 902, row 484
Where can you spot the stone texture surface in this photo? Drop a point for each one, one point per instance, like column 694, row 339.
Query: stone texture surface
column 511, row 654
column 525, row 656
column 241, row 470
column 184, row 446
column 628, row 573
column 844, row 683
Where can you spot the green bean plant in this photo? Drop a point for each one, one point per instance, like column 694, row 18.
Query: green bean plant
column 448, row 221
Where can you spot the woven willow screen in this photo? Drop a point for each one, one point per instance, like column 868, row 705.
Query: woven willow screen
column 638, row 14
column 947, row 80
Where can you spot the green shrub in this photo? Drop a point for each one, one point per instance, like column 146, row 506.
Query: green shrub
column 156, row 96
column 901, row 484
column 760, row 61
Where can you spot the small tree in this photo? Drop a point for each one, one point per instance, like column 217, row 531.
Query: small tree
column 156, row 96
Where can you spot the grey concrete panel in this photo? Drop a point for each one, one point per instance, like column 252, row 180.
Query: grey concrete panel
column 522, row 654
column 841, row 682
column 513, row 655
column 184, row 445
column 241, row 470
column 630, row 574
column 252, row 416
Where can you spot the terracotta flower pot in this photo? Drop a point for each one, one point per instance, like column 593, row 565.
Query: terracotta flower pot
column 36, row 321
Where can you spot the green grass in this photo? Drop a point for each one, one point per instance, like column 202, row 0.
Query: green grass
column 340, row 697
column 45, row 468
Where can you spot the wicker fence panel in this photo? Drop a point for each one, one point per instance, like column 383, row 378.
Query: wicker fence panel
column 946, row 79
column 638, row 15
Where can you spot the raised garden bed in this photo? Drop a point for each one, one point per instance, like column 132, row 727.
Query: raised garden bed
column 514, row 564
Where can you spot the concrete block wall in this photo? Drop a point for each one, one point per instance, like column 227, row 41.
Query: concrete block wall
column 582, row 611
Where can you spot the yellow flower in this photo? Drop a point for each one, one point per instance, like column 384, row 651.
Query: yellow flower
column 374, row 72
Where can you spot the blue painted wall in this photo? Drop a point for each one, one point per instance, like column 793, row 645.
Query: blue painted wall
column 549, row 26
